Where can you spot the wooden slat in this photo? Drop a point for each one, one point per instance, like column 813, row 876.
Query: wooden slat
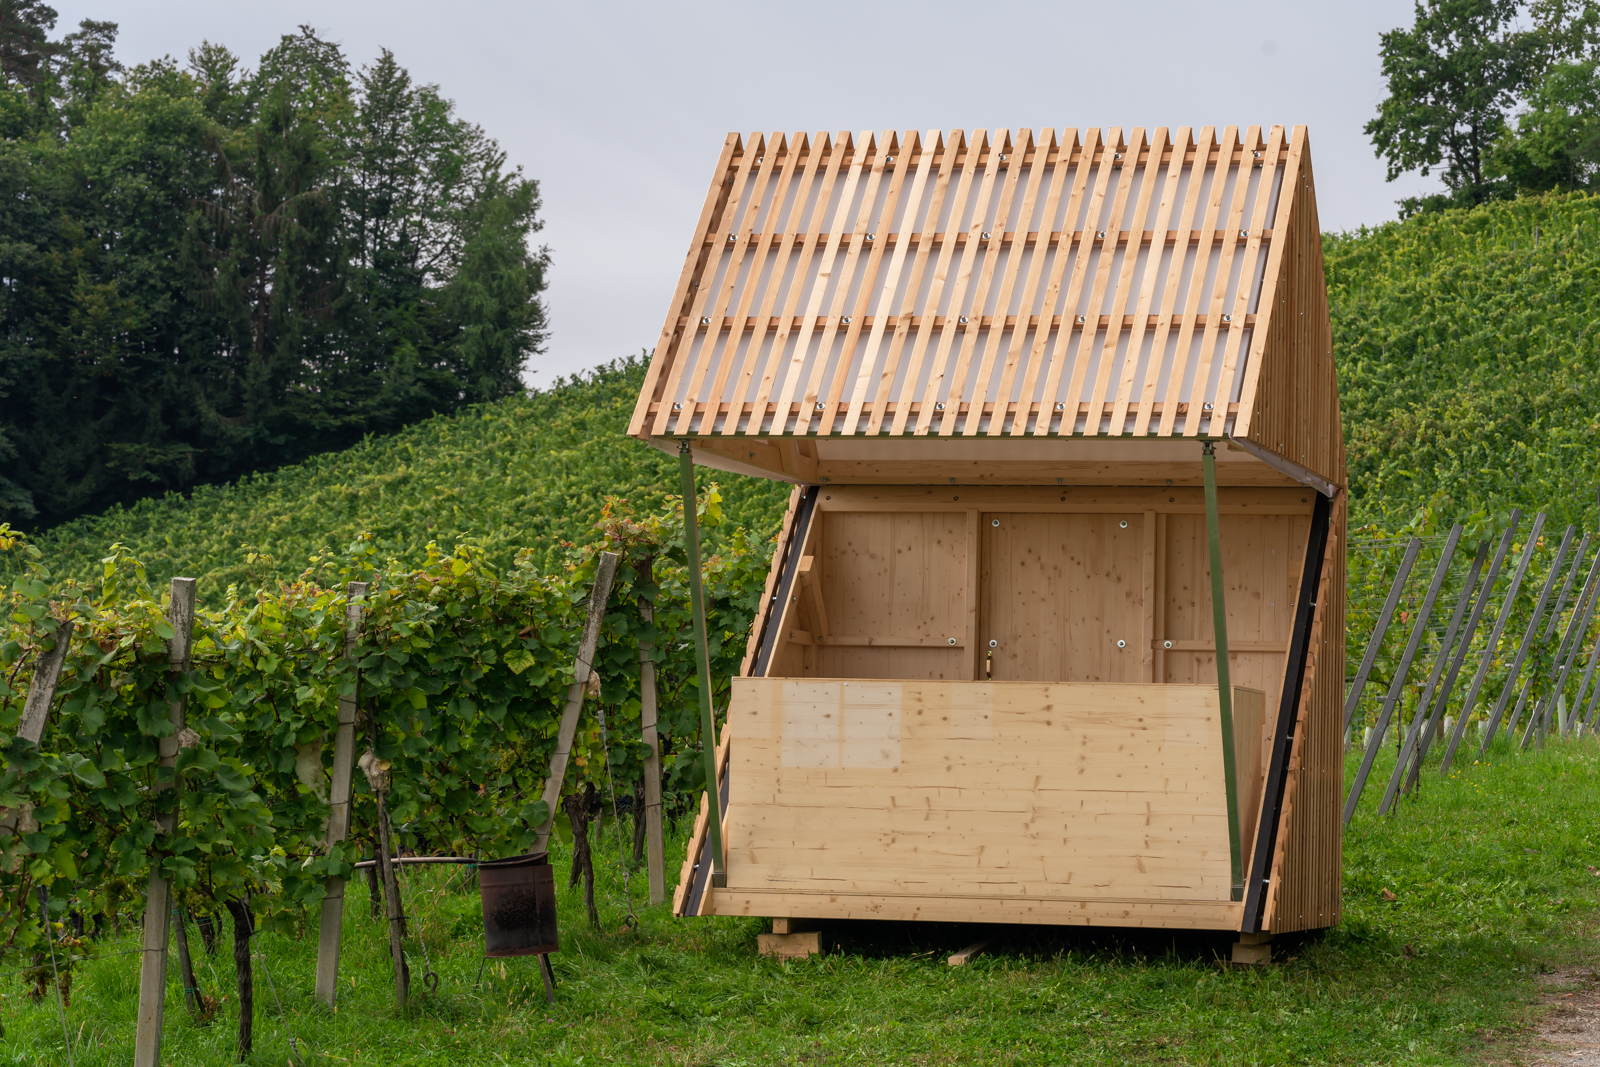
column 857, row 312
column 888, row 282
column 1152, row 270
column 1119, row 298
column 854, row 240
column 980, row 388
column 1102, row 273
column 1069, row 307
column 777, row 248
column 671, row 338
column 1030, row 291
column 753, row 251
column 697, row 308
column 1029, row 239
column 904, row 322
column 1247, row 273
column 1169, row 296
column 1048, row 305
column 1180, row 361
column 980, row 292
column 957, row 298
column 1219, row 302
column 819, row 215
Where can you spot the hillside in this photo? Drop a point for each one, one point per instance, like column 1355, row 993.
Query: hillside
column 518, row 473
column 1469, row 364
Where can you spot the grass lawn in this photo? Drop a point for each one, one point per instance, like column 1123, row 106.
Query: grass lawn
column 1490, row 873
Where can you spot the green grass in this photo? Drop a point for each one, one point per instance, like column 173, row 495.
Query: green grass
column 1489, row 870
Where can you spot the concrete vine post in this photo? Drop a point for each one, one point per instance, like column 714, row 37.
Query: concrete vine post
column 158, row 895
column 344, row 758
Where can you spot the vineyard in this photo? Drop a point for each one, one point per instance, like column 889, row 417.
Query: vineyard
column 1466, row 342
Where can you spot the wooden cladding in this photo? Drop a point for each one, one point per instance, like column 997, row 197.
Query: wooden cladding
column 1013, row 283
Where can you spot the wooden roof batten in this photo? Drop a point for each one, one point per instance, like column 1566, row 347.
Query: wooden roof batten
column 1009, row 285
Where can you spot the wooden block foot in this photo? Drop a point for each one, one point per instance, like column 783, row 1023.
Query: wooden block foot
column 962, row 958
column 790, row 946
column 1251, row 952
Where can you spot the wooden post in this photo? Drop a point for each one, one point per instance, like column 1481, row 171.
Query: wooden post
column 158, row 899
column 397, row 915
column 41, row 693
column 604, row 573
column 655, row 847
column 344, row 756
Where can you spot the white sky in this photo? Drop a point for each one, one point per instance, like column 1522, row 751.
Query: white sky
column 620, row 110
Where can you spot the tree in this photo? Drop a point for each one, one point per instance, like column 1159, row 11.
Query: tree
column 1453, row 79
column 210, row 271
column 1556, row 143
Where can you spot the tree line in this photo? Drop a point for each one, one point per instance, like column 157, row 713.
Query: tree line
column 208, row 269
column 1495, row 97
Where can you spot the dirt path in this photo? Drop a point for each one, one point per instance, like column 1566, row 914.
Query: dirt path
column 1569, row 1036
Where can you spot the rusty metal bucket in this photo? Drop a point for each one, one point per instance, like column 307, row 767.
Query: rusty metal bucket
column 519, row 905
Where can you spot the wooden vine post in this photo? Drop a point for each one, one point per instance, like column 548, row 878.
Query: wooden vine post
column 655, row 849
column 581, row 669
column 158, row 895
column 41, row 692
column 344, row 756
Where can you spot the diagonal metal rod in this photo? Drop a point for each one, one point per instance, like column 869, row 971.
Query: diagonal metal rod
column 1453, row 651
column 1527, row 641
column 1375, row 642
column 1397, row 684
column 1506, row 607
column 1576, row 628
column 1219, row 620
column 1446, row 557
column 708, row 725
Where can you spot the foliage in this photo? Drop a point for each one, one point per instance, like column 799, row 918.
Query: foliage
column 1488, row 870
column 460, row 670
column 213, row 271
column 1469, row 359
column 525, row 473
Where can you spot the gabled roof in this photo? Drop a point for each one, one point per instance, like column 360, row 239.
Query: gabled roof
column 1008, row 284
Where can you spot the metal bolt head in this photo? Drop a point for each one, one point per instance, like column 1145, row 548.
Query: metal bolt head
column 1227, row 318
column 733, row 237
column 820, row 405
column 940, row 407
column 1123, row 524
column 952, row 640
column 1207, row 407
column 986, row 232
column 1244, row 233
column 870, row 236
column 1121, row 643
column 1060, row 406
column 993, row 643
column 963, row 320
column 705, row 320
column 994, row 522
column 1080, row 318
column 1116, row 155
column 1257, row 155
column 1166, row 644
column 845, row 320
column 1002, row 157
column 677, row 407
column 888, row 159
column 1099, row 235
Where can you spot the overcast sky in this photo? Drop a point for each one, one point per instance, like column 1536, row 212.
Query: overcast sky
column 620, row 110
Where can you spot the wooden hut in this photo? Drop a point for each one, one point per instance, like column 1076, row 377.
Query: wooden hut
column 984, row 684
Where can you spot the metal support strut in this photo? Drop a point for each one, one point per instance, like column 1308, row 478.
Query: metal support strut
column 708, row 726
column 1219, row 616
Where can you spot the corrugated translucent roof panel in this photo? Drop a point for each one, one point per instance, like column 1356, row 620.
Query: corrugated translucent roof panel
column 993, row 283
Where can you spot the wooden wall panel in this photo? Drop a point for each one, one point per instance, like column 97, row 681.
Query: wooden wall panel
column 1058, row 592
column 1261, row 560
column 978, row 789
column 1308, row 882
